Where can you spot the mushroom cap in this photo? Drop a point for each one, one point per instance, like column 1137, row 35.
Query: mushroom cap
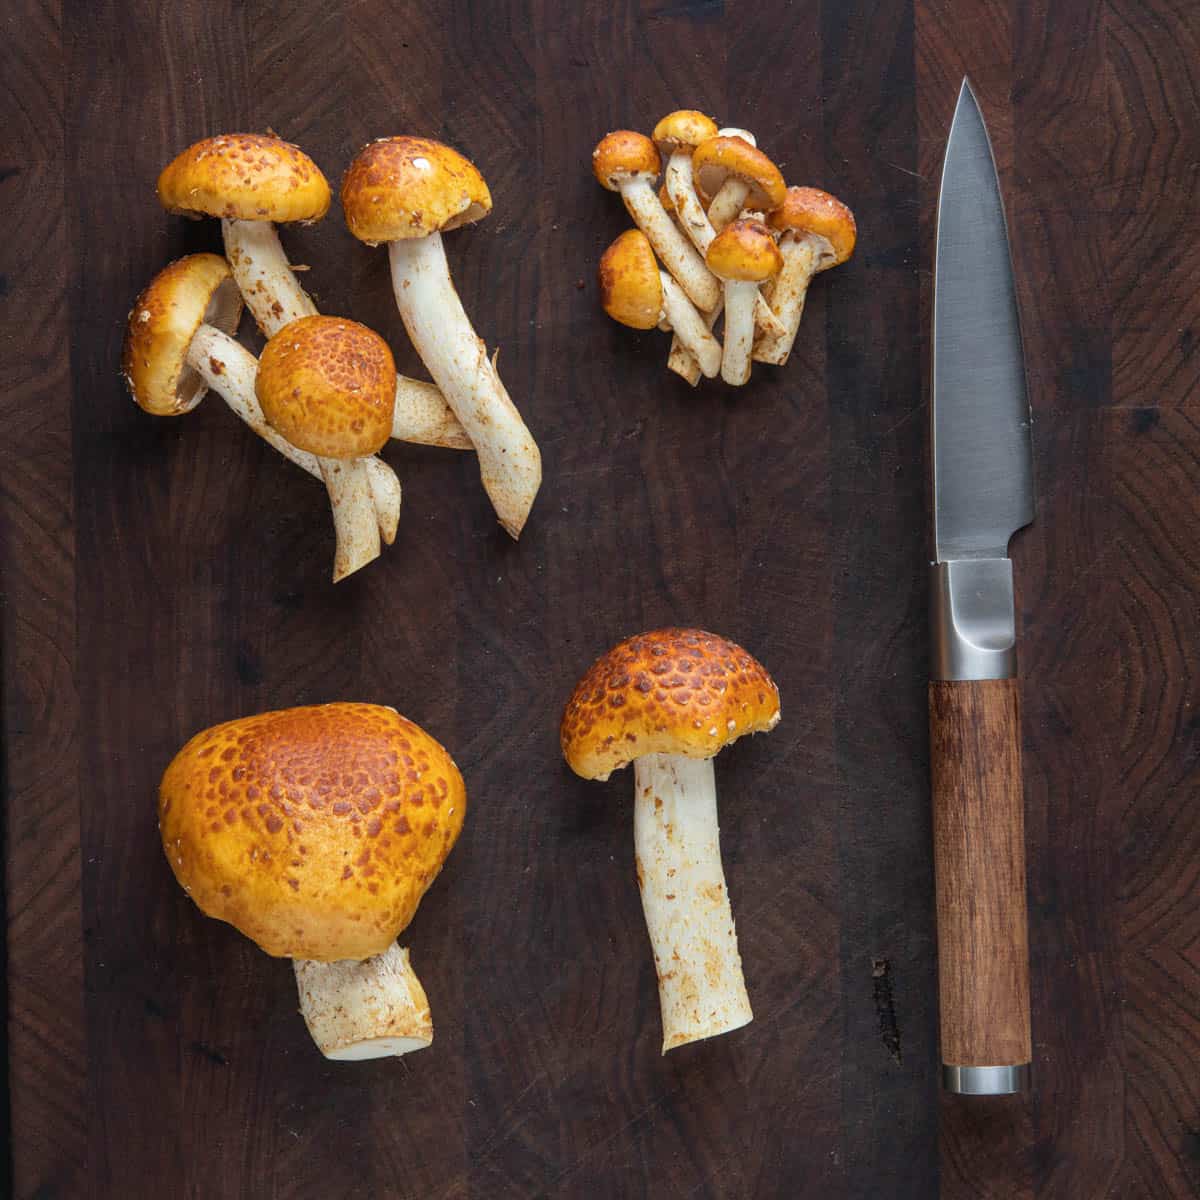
column 245, row 176
column 329, row 386
column 684, row 129
column 410, row 187
column 720, row 157
column 625, row 155
column 314, row 831
column 192, row 291
column 810, row 210
column 744, row 250
column 631, row 289
column 673, row 691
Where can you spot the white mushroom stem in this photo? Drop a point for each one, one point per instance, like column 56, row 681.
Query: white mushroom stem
column 371, row 1009
column 228, row 368
column 731, row 195
column 700, row 985
column 264, row 276
column 681, row 360
column 803, row 257
column 355, row 524
column 509, row 461
column 690, row 327
column 674, row 250
column 274, row 295
column 739, row 330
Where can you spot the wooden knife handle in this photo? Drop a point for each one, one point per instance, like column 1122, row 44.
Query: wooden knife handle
column 979, row 857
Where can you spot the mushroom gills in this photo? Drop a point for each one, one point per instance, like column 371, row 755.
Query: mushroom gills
column 376, row 1008
column 701, row 988
column 510, row 464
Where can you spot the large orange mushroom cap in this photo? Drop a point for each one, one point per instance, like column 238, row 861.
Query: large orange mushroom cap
column 683, row 129
column 810, row 210
column 724, row 156
column 245, row 176
column 625, row 154
column 744, row 250
column 631, row 289
column 314, row 831
column 410, row 187
column 673, row 691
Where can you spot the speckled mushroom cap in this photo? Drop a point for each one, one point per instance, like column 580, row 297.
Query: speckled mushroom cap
column 673, row 691
column 684, row 129
column 718, row 158
column 631, row 288
column 193, row 291
column 744, row 250
column 329, row 386
column 247, row 176
column 625, row 155
column 410, row 187
column 315, row 831
column 810, row 210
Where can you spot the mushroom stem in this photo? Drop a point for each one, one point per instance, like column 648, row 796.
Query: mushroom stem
column 509, row 461
column 677, row 254
column 739, row 330
column 681, row 360
column 731, row 195
column 690, row 327
column 700, row 984
column 422, row 415
column 801, row 261
column 228, row 368
column 263, row 274
column 376, row 1008
column 354, row 520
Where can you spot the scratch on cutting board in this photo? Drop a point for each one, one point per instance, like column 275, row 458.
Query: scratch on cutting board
column 885, row 1006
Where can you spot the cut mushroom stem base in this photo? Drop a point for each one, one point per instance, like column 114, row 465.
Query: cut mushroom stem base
column 510, row 464
column 801, row 261
column 228, row 369
column 371, row 1009
column 740, row 295
column 263, row 274
column 700, row 985
column 354, row 518
column 690, row 328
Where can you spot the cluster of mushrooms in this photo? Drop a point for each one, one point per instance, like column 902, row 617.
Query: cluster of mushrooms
column 730, row 236
column 325, row 392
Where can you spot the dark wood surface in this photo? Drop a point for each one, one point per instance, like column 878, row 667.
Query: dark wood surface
column 979, row 872
column 160, row 576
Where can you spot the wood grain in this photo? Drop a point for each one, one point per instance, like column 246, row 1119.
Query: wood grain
column 159, row 576
column 979, row 869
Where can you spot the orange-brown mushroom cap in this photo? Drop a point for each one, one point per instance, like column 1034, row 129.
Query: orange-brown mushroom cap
column 631, row 288
column 245, row 176
column 625, row 155
column 744, row 250
column 684, row 129
column 195, row 290
column 717, row 159
column 329, row 386
column 673, row 691
column 315, row 831
column 410, row 187
column 810, row 210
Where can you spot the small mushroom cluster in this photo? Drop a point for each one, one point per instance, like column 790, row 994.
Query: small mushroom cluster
column 325, row 392
column 730, row 236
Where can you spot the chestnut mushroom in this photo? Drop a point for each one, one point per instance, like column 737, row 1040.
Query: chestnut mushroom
column 315, row 832
column 178, row 345
column 745, row 256
column 634, row 291
column 817, row 232
column 406, row 191
column 668, row 702
column 738, row 176
column 253, row 182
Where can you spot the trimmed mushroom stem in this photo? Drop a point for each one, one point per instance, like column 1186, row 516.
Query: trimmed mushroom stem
column 376, row 1008
column 263, row 274
column 700, row 985
column 674, row 250
column 690, row 327
column 228, row 368
column 274, row 295
column 739, row 330
column 681, row 360
column 509, row 461
column 354, row 520
column 802, row 259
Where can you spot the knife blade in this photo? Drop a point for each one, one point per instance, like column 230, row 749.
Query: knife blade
column 982, row 461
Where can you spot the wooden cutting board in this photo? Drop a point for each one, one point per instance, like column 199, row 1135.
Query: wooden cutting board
column 160, row 576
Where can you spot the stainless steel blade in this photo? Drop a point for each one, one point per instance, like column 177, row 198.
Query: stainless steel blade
column 982, row 446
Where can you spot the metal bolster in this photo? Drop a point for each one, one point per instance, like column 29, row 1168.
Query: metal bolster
column 972, row 619
column 986, row 1081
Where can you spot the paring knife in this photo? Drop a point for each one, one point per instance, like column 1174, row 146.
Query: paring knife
column 982, row 494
